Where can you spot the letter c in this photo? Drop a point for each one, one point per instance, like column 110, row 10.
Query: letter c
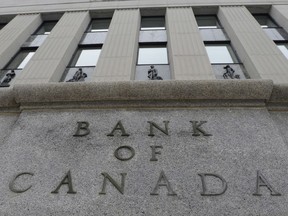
column 11, row 184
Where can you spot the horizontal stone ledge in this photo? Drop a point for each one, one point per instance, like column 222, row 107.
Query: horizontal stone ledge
column 144, row 91
column 136, row 104
column 7, row 98
column 279, row 94
column 102, row 6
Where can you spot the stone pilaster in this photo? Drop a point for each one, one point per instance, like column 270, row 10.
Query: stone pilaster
column 259, row 54
column 52, row 57
column 280, row 14
column 15, row 33
column 117, row 61
column 187, row 54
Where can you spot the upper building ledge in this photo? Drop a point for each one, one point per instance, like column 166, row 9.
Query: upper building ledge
column 32, row 6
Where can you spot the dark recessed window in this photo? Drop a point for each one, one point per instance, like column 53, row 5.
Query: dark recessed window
column 2, row 25
column 20, row 60
column 153, row 23
column 46, row 28
column 207, row 22
column 99, row 25
column 265, row 21
column 38, row 38
column 274, row 32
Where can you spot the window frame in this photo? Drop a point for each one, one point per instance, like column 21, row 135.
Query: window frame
column 278, row 43
column 218, row 24
column 88, row 30
column 45, row 22
column 269, row 17
column 152, row 28
column 231, row 51
column 283, row 44
column 77, row 54
column 29, row 50
column 152, row 45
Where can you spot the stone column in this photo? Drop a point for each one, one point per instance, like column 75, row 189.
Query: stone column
column 280, row 14
column 187, row 55
column 259, row 54
column 15, row 33
column 52, row 57
column 117, row 61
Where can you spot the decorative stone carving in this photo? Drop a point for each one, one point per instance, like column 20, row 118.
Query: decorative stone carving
column 9, row 76
column 229, row 74
column 79, row 76
column 153, row 74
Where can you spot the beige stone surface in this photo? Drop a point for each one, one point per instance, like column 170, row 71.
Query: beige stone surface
column 280, row 14
column 15, row 33
column 243, row 141
column 188, row 58
column 117, row 60
column 259, row 54
column 52, row 57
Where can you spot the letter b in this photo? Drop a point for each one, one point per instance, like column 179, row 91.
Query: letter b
column 82, row 129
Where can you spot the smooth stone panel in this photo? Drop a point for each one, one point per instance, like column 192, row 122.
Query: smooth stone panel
column 243, row 141
column 7, row 121
column 281, row 121
column 187, row 55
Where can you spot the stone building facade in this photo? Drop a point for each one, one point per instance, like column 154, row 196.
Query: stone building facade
column 164, row 107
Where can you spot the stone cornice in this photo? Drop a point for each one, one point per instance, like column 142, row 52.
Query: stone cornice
column 143, row 93
column 19, row 6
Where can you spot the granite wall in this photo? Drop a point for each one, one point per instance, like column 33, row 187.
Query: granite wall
column 197, row 161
